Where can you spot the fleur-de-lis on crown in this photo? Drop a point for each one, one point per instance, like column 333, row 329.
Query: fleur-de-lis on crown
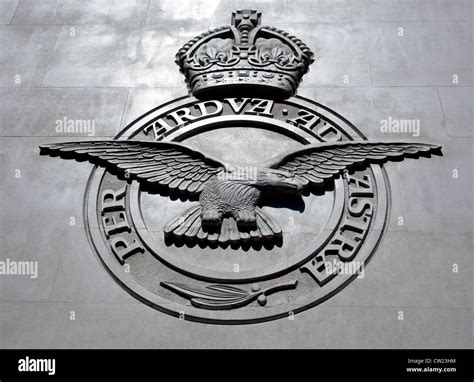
column 276, row 55
column 212, row 55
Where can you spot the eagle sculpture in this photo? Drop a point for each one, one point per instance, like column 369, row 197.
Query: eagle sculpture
column 228, row 210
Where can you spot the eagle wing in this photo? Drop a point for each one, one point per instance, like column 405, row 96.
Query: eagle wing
column 170, row 165
column 317, row 163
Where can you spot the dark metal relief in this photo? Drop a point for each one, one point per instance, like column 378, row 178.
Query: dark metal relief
column 241, row 202
column 244, row 58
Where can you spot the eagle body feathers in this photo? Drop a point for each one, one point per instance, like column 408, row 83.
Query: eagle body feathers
column 229, row 198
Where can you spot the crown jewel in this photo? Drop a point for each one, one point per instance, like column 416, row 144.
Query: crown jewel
column 232, row 59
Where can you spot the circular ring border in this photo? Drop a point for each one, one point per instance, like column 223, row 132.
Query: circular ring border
column 244, row 315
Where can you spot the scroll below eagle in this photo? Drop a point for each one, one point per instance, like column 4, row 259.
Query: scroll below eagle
column 229, row 195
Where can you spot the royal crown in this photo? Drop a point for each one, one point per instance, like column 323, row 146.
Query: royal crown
column 244, row 58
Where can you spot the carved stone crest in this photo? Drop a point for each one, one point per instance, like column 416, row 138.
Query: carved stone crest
column 239, row 203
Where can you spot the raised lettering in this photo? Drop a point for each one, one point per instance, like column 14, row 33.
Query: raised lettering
column 305, row 119
column 261, row 107
column 113, row 200
column 115, row 226
column 122, row 249
column 237, row 107
column 360, row 187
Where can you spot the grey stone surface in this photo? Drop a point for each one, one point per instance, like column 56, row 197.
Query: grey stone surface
column 333, row 44
column 24, row 195
column 413, row 275
column 141, row 100
column 275, row 10
column 25, row 53
column 458, row 111
column 111, row 61
column 80, row 276
column 128, row 55
column 81, row 12
column 417, row 57
column 369, row 107
column 32, row 244
column 7, row 10
column 376, row 10
column 46, row 112
column 446, row 204
column 135, row 325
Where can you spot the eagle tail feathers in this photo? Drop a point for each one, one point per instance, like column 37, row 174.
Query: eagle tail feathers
column 188, row 227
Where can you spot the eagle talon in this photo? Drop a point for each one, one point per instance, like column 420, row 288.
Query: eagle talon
column 246, row 218
column 211, row 218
